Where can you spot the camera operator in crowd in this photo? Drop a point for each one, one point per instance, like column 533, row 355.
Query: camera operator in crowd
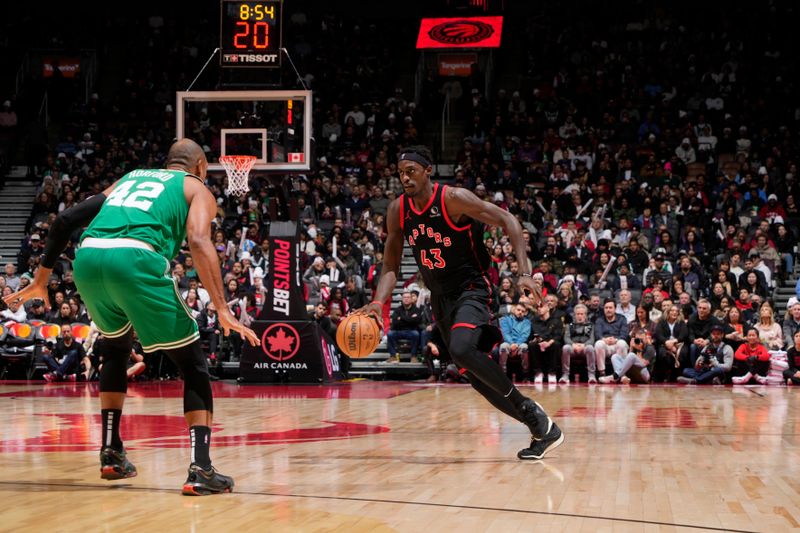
column 634, row 367
column 713, row 363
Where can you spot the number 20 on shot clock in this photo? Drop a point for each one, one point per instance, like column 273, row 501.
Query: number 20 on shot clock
column 250, row 33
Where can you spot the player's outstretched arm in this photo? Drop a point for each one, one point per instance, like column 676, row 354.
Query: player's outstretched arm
column 202, row 209
column 390, row 272
column 459, row 201
column 63, row 226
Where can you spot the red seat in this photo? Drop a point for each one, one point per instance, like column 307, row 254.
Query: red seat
column 49, row 332
column 80, row 331
column 22, row 330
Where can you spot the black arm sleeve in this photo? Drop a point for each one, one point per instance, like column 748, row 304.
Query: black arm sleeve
column 66, row 222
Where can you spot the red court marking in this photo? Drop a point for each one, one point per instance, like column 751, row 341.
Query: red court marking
column 361, row 390
column 81, row 433
column 646, row 418
column 581, row 412
column 665, row 417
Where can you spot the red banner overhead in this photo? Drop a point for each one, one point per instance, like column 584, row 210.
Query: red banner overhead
column 468, row 32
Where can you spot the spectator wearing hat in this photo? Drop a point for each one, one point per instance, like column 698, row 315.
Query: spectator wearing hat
column 685, row 151
column 791, row 324
column 772, row 210
column 637, row 257
column 659, row 268
column 714, row 362
column 311, row 277
column 625, row 279
column 324, row 288
column 37, row 310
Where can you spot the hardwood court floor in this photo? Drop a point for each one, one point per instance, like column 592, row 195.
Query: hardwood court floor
column 408, row 457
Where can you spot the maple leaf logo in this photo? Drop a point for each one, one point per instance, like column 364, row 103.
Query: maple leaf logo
column 280, row 342
column 281, row 345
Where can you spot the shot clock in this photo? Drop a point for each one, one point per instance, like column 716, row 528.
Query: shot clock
column 250, row 33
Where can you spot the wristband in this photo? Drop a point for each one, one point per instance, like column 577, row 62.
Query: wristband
column 376, row 302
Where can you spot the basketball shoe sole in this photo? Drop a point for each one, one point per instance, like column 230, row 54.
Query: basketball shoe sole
column 114, row 464
column 539, row 448
column 202, row 482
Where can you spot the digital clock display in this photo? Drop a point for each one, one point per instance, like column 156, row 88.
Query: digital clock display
column 250, row 33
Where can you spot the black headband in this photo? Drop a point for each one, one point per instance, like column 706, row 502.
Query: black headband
column 417, row 158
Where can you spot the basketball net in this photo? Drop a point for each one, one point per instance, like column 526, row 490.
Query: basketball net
column 237, row 167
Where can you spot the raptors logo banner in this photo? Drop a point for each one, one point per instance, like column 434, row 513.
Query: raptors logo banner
column 291, row 351
column 465, row 32
column 285, row 300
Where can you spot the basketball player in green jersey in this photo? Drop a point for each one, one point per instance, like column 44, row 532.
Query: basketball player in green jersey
column 122, row 270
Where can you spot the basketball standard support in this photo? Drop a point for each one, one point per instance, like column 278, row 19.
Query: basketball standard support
column 294, row 349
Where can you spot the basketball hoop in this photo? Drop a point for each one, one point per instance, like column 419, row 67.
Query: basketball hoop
column 237, row 167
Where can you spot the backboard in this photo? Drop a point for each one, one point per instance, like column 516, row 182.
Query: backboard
column 274, row 126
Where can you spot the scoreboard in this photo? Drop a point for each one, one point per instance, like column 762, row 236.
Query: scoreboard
column 250, row 33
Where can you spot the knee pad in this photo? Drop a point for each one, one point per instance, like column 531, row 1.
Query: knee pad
column 115, row 353
column 193, row 367
column 463, row 346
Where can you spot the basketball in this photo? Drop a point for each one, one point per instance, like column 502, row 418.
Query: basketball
column 358, row 335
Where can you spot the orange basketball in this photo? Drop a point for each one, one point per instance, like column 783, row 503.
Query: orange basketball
column 358, row 335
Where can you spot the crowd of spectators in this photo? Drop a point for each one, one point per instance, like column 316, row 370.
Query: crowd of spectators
column 653, row 167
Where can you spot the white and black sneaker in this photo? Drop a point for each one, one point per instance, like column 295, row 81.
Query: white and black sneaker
column 539, row 448
column 535, row 418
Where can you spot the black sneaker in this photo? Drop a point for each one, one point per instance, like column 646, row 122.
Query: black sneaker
column 114, row 464
column 539, row 448
column 535, row 418
column 204, row 482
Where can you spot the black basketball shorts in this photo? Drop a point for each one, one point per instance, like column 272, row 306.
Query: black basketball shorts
column 471, row 309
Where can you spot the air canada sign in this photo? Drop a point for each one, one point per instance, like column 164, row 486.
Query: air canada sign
column 280, row 343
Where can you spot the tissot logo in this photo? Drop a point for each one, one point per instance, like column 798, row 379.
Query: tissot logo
column 435, row 212
column 280, row 341
column 460, row 32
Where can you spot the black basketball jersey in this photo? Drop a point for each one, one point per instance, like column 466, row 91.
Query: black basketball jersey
column 450, row 257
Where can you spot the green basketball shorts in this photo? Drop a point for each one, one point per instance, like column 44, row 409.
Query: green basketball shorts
column 133, row 287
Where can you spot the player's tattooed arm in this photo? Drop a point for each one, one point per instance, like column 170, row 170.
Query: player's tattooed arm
column 461, row 202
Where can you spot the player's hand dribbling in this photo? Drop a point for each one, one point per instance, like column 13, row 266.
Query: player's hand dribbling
column 532, row 288
column 229, row 323
column 373, row 309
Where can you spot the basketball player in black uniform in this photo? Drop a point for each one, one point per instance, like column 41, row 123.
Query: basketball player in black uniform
column 444, row 227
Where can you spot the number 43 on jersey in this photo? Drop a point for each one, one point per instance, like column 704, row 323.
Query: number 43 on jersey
column 140, row 198
column 436, row 262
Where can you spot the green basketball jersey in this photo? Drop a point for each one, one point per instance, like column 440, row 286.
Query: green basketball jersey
column 147, row 205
